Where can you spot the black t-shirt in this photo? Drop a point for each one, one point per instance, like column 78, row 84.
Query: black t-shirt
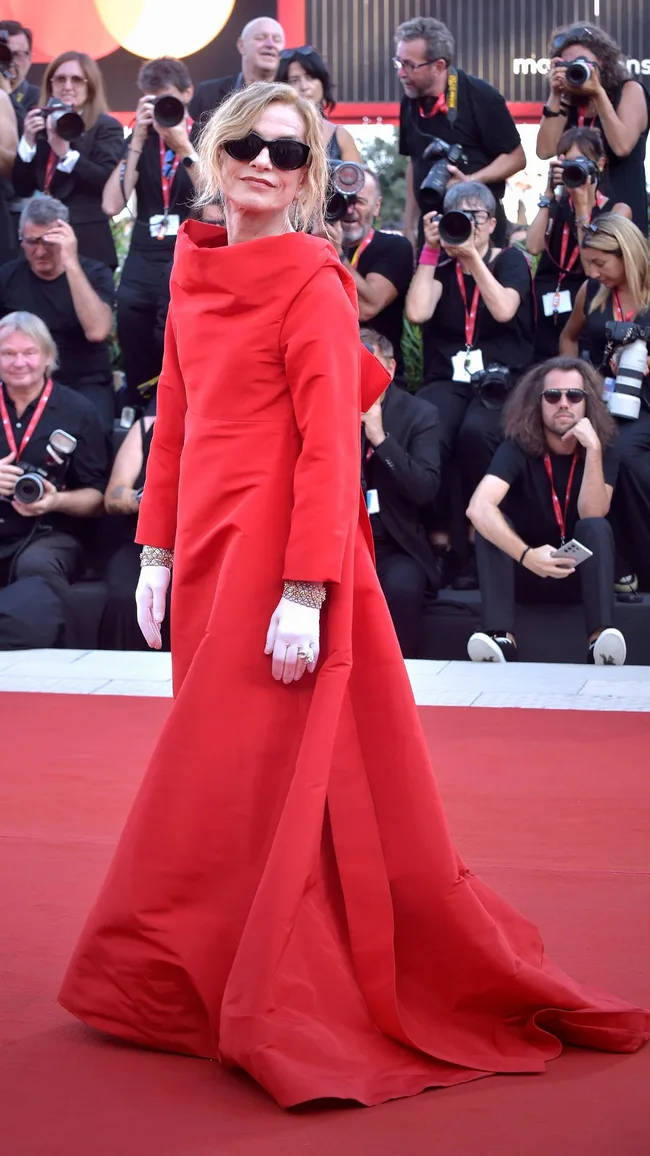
column 597, row 337
column 81, row 362
column 24, row 99
column 208, row 95
column 529, row 503
column 624, row 178
column 550, row 264
column 89, row 465
column 508, row 343
column 392, row 257
column 150, row 203
column 483, row 126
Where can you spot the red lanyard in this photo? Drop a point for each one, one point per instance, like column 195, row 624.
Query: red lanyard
column 439, row 106
column 361, row 247
column 470, row 315
column 618, row 310
column 166, row 181
column 560, row 515
column 581, row 120
column 36, row 416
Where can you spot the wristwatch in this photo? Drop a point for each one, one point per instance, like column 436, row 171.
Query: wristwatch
column 190, row 160
column 546, row 111
column 544, row 202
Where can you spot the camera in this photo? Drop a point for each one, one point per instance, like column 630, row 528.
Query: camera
column 492, row 384
column 346, row 180
column 6, row 55
column 632, row 339
column 434, row 185
column 578, row 72
column 168, row 111
column 578, row 171
column 29, row 488
column 66, row 121
column 455, row 227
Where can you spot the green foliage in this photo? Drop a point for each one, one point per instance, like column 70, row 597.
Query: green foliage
column 383, row 157
column 412, row 352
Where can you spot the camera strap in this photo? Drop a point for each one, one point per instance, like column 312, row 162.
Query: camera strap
column 581, row 120
column 35, row 418
column 560, row 514
column 471, row 313
column 618, row 310
column 361, row 248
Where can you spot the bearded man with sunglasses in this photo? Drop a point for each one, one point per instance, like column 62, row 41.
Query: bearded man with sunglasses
column 550, row 483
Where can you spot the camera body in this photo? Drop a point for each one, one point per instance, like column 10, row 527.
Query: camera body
column 346, row 180
column 6, row 55
column 632, row 340
column 493, row 384
column 434, row 185
column 66, row 121
column 578, row 72
column 579, row 171
column 29, row 488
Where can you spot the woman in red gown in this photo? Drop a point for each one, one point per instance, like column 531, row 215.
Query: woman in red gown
column 285, row 896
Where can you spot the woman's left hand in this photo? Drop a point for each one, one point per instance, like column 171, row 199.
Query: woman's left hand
column 293, row 627
column 59, row 146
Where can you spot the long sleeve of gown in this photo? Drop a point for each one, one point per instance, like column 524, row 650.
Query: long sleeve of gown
column 158, row 509
column 320, row 343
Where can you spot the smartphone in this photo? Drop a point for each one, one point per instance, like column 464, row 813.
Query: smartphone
column 574, row 550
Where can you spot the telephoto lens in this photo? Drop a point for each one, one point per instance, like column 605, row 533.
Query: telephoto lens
column 66, row 121
column 455, row 227
column 578, row 171
column 168, row 111
column 29, row 489
column 625, row 399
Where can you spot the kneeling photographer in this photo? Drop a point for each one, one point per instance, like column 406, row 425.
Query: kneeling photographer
column 475, row 304
column 541, row 512
column 573, row 200
column 53, row 472
column 612, row 313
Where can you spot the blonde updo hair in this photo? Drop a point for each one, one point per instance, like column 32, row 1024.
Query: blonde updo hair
column 611, row 233
column 235, row 118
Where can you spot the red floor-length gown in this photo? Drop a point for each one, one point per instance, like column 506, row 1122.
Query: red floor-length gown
column 285, row 895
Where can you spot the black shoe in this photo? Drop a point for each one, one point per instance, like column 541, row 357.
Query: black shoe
column 491, row 648
column 468, row 577
column 626, row 588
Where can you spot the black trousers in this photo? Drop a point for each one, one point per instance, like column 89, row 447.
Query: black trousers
column 503, row 582
column 469, row 435
column 138, row 300
column 119, row 628
column 55, row 556
column 630, row 514
column 404, row 582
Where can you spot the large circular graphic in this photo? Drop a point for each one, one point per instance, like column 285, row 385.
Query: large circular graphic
column 148, row 28
column 161, row 27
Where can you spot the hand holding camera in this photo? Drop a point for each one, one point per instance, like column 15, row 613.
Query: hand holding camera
column 34, row 123
column 431, row 222
column 43, row 505
column 9, row 475
column 143, row 118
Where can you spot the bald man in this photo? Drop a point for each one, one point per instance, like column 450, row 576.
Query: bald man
column 260, row 45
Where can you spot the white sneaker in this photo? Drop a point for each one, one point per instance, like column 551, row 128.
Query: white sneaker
column 485, row 648
column 609, row 649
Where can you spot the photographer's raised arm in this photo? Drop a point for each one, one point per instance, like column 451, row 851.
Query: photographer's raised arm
column 570, row 334
column 623, row 126
column 412, row 209
column 8, row 135
column 423, row 295
column 502, row 167
column 375, row 292
column 121, row 184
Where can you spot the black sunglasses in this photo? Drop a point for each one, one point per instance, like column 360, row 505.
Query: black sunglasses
column 285, row 153
column 305, row 50
column 575, row 35
column 553, row 396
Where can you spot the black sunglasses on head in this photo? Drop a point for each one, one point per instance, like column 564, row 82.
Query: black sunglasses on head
column 285, row 153
column 305, row 50
column 575, row 35
column 553, row 396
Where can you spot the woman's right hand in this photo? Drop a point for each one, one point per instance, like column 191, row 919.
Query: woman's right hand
column 557, row 83
column 150, row 601
column 34, row 123
column 431, row 230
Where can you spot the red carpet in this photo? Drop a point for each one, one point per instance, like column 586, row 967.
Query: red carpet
column 552, row 808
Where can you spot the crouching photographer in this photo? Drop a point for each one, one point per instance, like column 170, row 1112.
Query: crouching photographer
column 612, row 314
column 53, row 471
column 475, row 304
column 400, row 473
column 541, row 511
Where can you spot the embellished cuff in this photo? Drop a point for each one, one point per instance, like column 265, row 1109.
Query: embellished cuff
column 156, row 556
column 306, row 593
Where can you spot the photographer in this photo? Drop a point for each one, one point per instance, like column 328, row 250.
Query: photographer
column 616, row 259
column 260, row 44
column 72, row 295
column 24, row 96
column 553, row 477
column 305, row 70
column 571, row 202
column 475, row 304
column 400, row 469
column 40, row 535
column 158, row 165
column 75, row 166
column 599, row 93
column 17, row 42
column 443, row 102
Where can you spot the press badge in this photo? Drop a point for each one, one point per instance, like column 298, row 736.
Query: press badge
column 161, row 226
column 465, row 363
column 557, row 303
column 372, row 501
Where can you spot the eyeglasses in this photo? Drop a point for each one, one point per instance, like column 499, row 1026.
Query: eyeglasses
column 21, row 56
column 570, row 36
column 32, row 242
column 285, row 153
column 305, row 50
column 479, row 216
column 573, row 396
column 409, row 66
column 76, row 81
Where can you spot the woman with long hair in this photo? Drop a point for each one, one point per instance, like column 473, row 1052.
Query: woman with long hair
column 285, row 896
column 306, row 71
column 616, row 258
column 590, row 86
column 565, row 210
column 73, row 170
